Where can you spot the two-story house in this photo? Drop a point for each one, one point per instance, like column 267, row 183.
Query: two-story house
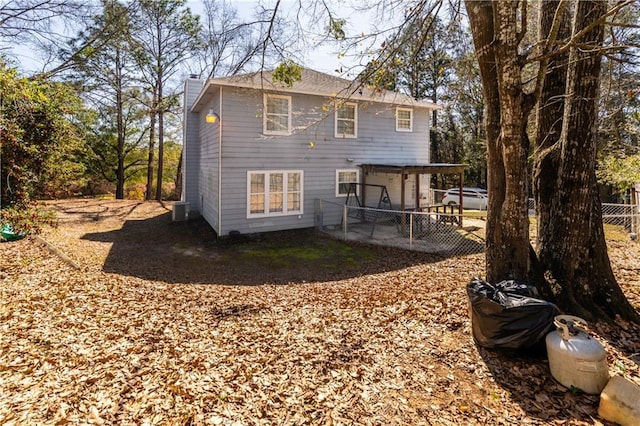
column 257, row 153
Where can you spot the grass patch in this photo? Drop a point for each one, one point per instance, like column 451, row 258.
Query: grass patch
column 310, row 251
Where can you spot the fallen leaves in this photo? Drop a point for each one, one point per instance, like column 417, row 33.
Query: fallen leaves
column 94, row 347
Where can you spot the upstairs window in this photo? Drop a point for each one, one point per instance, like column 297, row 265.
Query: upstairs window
column 277, row 115
column 347, row 121
column 404, row 120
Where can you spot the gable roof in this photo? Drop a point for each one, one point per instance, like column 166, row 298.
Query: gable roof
column 311, row 83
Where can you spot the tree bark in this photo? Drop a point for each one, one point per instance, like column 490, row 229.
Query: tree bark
column 572, row 247
column 548, row 129
column 513, row 247
column 496, row 41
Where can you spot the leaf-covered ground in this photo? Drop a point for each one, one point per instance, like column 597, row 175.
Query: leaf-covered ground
column 161, row 324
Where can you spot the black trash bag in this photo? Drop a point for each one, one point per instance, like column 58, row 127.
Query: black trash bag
column 506, row 316
column 516, row 287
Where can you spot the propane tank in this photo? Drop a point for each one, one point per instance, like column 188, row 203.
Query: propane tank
column 575, row 358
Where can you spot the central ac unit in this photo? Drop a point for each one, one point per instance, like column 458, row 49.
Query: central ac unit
column 180, row 211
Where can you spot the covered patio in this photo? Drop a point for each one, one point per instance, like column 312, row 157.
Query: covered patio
column 405, row 170
column 425, row 231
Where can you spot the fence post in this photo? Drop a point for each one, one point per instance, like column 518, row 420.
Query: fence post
column 411, row 230
column 635, row 218
column 344, row 222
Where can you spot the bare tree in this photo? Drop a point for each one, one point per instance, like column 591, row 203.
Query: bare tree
column 167, row 33
column 46, row 26
column 229, row 44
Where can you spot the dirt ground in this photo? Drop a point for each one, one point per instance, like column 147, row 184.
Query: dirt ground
column 154, row 322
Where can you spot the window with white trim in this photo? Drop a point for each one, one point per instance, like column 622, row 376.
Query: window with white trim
column 274, row 193
column 347, row 120
column 404, row 119
column 277, row 115
column 344, row 178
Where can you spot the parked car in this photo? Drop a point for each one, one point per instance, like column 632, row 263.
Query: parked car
column 472, row 198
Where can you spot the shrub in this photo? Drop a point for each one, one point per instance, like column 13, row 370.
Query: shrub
column 28, row 219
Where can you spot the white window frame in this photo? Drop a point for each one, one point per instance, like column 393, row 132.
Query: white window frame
column 402, row 129
column 266, row 114
column 355, row 121
column 338, row 182
column 285, row 193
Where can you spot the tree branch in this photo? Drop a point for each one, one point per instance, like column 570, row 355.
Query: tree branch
column 550, row 40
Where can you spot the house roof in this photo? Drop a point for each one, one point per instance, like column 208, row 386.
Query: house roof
column 311, row 83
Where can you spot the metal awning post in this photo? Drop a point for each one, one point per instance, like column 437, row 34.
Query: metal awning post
column 417, row 194
column 364, row 187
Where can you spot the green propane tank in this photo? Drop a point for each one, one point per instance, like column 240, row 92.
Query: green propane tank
column 575, row 358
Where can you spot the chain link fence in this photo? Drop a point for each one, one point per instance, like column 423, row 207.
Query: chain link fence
column 436, row 229
column 626, row 216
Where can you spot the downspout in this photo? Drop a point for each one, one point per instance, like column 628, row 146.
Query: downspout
column 220, row 124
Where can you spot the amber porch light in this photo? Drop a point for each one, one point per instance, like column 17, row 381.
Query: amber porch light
column 212, row 117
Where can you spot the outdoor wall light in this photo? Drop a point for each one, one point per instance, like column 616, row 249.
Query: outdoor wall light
column 212, row 117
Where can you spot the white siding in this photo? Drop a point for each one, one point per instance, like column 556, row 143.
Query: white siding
column 209, row 170
column 394, row 187
column 311, row 148
column 191, row 145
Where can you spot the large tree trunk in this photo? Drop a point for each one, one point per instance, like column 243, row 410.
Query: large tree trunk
column 549, row 117
column 496, row 41
column 572, row 248
column 481, row 20
column 571, row 242
column 548, row 130
column 512, row 248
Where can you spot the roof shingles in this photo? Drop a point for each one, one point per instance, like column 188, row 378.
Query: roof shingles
column 312, row 83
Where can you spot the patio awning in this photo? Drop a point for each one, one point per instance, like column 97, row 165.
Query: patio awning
column 421, row 169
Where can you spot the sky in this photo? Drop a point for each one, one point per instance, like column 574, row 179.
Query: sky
column 325, row 58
